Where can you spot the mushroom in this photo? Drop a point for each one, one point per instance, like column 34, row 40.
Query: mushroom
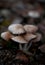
column 30, row 28
column 29, row 37
column 20, row 40
column 6, row 35
column 34, row 14
column 22, row 57
column 38, row 38
column 23, row 42
column 42, row 48
column 16, row 29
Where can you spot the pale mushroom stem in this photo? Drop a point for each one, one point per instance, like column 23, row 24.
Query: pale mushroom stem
column 29, row 45
column 25, row 46
column 25, row 50
column 20, row 47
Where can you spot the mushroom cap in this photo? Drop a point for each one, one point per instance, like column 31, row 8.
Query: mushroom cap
column 42, row 48
column 19, row 39
column 29, row 36
column 22, row 57
column 16, row 29
column 34, row 14
column 30, row 28
column 38, row 38
column 6, row 35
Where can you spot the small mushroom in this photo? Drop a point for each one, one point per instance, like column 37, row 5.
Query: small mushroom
column 38, row 38
column 6, row 35
column 22, row 57
column 34, row 14
column 20, row 40
column 42, row 48
column 30, row 28
column 23, row 42
column 16, row 29
column 29, row 37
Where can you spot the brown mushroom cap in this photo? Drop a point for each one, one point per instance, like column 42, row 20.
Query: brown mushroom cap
column 19, row 39
column 22, row 57
column 16, row 29
column 38, row 38
column 42, row 48
column 6, row 35
column 29, row 36
column 30, row 28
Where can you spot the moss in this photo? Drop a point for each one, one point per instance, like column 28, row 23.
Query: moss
column 6, row 23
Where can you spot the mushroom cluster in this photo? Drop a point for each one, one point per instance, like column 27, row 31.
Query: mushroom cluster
column 23, row 35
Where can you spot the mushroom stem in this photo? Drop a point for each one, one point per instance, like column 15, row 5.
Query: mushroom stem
column 28, row 53
column 20, row 47
column 25, row 46
column 29, row 45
